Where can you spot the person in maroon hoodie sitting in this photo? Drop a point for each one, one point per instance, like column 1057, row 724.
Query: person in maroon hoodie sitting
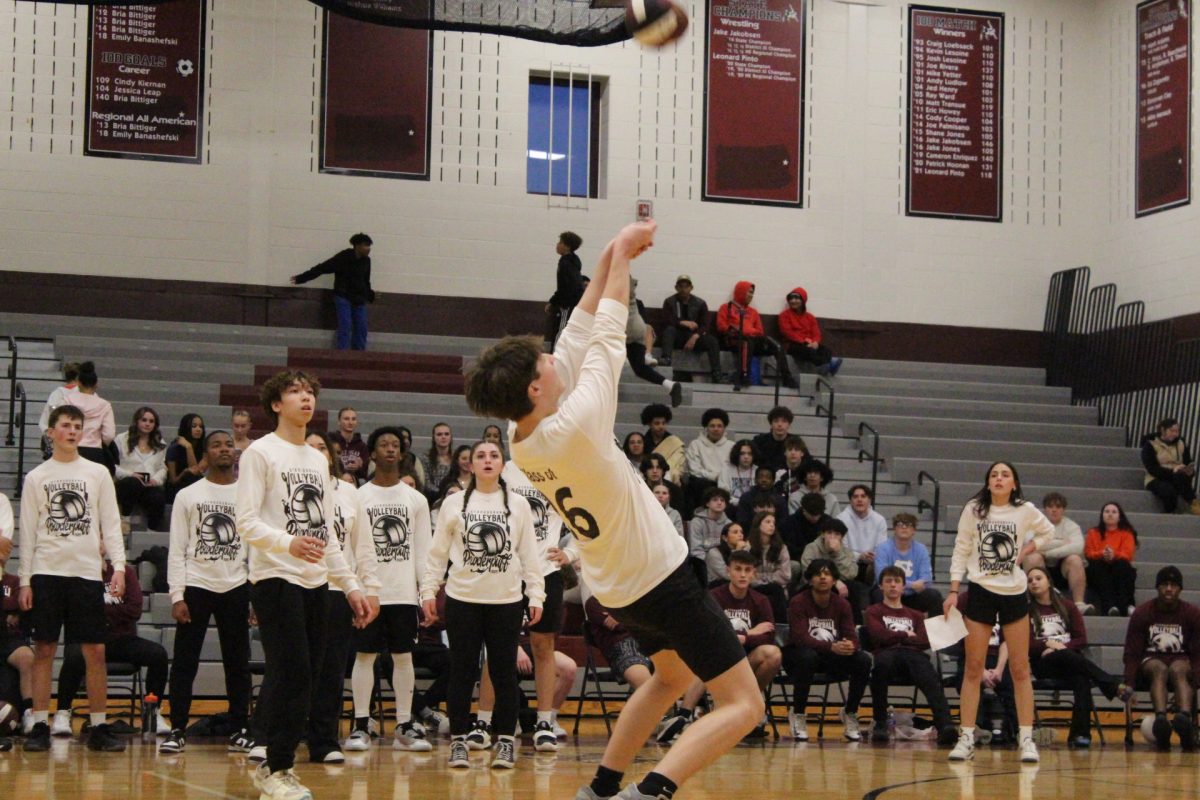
column 897, row 639
column 741, row 331
column 802, row 335
column 1162, row 646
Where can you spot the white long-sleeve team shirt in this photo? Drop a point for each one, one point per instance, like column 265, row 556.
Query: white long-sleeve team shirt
column 285, row 490
column 986, row 550
column 627, row 544
column 393, row 523
column 67, row 508
column 489, row 551
column 357, row 550
column 547, row 524
column 206, row 550
column 7, row 523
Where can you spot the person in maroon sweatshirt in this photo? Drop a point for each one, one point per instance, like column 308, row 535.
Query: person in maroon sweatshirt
column 823, row 639
column 16, row 684
column 617, row 644
column 897, row 639
column 1162, row 648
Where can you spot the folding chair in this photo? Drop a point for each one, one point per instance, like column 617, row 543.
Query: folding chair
column 596, row 670
column 1054, row 687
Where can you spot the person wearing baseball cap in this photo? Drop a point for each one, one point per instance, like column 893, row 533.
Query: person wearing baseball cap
column 1162, row 649
column 687, row 324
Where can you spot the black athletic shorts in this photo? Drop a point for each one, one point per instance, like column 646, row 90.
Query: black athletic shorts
column 75, row 604
column 552, row 606
column 393, row 631
column 679, row 615
column 989, row 607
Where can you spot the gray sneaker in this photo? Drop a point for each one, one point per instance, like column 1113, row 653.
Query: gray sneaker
column 586, row 793
column 410, row 736
column 631, row 792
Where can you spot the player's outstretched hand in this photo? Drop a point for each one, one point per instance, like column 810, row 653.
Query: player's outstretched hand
column 635, row 238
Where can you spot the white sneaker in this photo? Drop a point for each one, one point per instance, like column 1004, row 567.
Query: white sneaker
column 334, row 757
column 1029, row 751
column 439, row 722
column 163, row 726
column 559, row 731
column 852, row 732
column 257, row 754
column 411, row 736
column 480, row 737
column 651, row 361
column 544, row 739
column 459, row 756
column 358, row 741
column 61, row 726
column 964, row 750
column 799, row 725
column 27, row 722
column 282, row 785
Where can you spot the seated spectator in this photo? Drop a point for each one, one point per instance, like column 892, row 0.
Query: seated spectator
column 15, row 652
column 687, row 327
column 635, row 449
column 753, row 621
column 1056, row 651
column 769, row 446
column 654, row 470
column 802, row 335
column 733, row 538
column 704, row 530
column 663, row 495
column 461, row 473
column 239, row 425
column 866, row 529
column 659, row 440
column 802, row 528
column 409, row 461
column 773, row 560
column 998, row 704
column 142, row 470
column 639, row 338
column 1110, row 547
column 737, row 476
column 1162, row 649
column 897, row 640
column 355, row 458
column 742, row 332
column 822, row 638
column 431, row 654
column 707, row 455
column 789, row 481
column 436, row 505
column 439, row 461
column 617, row 644
column 1063, row 557
column 762, row 496
column 185, row 456
column 99, row 425
column 1170, row 468
column 830, row 545
column 818, row 475
column 911, row 557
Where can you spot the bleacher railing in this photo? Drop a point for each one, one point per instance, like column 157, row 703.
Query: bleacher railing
column 873, row 452
column 12, row 389
column 19, row 389
column 935, row 507
column 829, row 414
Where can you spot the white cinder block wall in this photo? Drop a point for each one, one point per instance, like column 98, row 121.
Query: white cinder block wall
column 258, row 211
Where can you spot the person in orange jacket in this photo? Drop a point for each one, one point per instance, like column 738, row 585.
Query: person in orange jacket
column 1109, row 548
column 802, row 335
column 741, row 331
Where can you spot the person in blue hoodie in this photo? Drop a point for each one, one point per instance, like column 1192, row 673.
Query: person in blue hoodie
column 905, row 552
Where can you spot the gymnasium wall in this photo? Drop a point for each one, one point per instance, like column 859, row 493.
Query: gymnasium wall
column 257, row 210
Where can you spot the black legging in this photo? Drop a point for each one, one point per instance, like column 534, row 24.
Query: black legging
column 1170, row 491
column 470, row 626
column 131, row 650
column 802, row 663
column 131, row 493
column 231, row 610
column 1082, row 675
column 328, row 686
column 1113, row 583
column 745, row 349
column 896, row 665
column 636, row 353
column 818, row 356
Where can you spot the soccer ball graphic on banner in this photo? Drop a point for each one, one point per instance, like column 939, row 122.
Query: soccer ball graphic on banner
column 655, row 22
column 486, row 539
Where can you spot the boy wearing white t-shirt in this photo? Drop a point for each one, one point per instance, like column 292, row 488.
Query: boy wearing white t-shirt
column 562, row 408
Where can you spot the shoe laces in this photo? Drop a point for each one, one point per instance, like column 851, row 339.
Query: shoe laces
column 504, row 750
column 290, row 779
column 458, row 749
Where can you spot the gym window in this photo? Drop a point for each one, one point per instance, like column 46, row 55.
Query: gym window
column 566, row 132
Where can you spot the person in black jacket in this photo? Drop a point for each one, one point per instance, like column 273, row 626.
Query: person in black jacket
column 352, row 290
column 1170, row 468
column 569, row 283
column 687, row 320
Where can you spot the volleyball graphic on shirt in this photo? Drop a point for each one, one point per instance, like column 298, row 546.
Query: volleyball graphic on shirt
column 823, row 630
column 997, row 548
column 739, row 618
column 305, row 506
column 217, row 538
column 67, row 508
column 486, row 539
column 1054, row 628
column 391, row 531
column 1166, row 638
column 537, row 505
column 486, row 545
column 898, row 624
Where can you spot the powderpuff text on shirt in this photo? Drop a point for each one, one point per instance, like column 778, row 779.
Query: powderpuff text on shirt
column 305, row 504
column 391, row 531
column 68, row 507
column 997, row 547
column 487, row 547
column 217, row 538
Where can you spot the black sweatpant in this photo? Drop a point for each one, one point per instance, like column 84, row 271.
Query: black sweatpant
column 292, row 621
column 131, row 650
column 133, row 493
column 470, row 626
column 802, row 663
column 328, row 688
column 818, row 356
column 636, row 353
column 749, row 347
column 901, row 665
column 231, row 610
column 707, row 343
column 1082, row 675
column 1113, row 583
column 1170, row 491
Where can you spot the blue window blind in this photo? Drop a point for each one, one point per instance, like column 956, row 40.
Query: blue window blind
column 563, row 149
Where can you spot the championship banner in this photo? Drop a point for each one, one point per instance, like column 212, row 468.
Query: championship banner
column 1164, row 105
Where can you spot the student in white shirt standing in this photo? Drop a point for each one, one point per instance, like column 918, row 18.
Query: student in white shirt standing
column 284, row 511
column 996, row 531
column 562, row 408
column 393, row 520
column 485, row 534
column 207, row 571
column 69, row 507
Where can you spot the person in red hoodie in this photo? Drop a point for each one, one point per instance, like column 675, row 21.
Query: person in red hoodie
column 742, row 332
column 802, row 335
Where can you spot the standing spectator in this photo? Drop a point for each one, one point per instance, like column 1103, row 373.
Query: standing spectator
column 57, row 398
column 742, row 332
column 823, row 639
column 817, row 476
column 769, row 446
column 355, row 460
column 732, row 538
column 1110, row 548
column 239, row 426
column 911, row 557
column 866, row 529
column 687, row 325
column 802, row 335
column 493, row 434
column 1063, row 557
column 99, row 425
column 1170, row 468
column 737, row 476
column 639, row 337
column 352, row 290
column 141, row 471
column 762, row 496
column 830, row 545
column 1162, row 647
column 7, row 527
column 656, row 417
column 707, row 454
column 802, row 528
column 185, row 456
column 773, row 560
column 634, row 448
column 704, row 530
column 568, row 284
column 439, row 461
column 790, row 481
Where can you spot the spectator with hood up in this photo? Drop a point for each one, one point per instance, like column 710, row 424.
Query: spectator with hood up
column 802, row 335
column 742, row 332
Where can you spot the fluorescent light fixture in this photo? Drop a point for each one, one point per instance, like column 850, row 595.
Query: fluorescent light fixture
column 542, row 155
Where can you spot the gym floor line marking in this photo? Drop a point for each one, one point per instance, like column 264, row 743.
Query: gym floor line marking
column 187, row 785
column 1033, row 769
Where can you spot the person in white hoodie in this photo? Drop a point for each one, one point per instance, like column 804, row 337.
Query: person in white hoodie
column 866, row 529
column 707, row 455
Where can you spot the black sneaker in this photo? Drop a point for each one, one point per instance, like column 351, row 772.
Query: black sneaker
column 480, row 736
column 1186, row 730
column 38, row 740
column 241, row 742
column 676, row 395
column 664, row 361
column 1162, row 732
column 101, row 739
column 948, row 736
column 174, row 743
column 672, row 727
column 6, row 744
column 879, row 733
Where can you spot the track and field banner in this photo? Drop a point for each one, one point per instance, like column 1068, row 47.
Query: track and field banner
column 1164, row 105
column 754, row 101
column 145, row 92
column 955, row 93
column 375, row 111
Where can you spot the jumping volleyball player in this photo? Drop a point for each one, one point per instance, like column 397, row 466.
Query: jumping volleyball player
column 562, row 408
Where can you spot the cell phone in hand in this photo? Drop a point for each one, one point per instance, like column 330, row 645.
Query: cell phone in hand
column 144, row 476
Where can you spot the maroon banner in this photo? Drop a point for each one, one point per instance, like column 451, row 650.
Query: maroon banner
column 955, row 90
column 754, row 81
column 145, row 81
column 377, row 126
column 1164, row 105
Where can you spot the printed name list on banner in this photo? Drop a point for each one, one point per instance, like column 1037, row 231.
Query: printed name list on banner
column 753, row 121
column 955, row 64
column 145, row 79
column 1164, row 105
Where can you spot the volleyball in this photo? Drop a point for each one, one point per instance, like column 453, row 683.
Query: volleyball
column 217, row 529
column 67, row 506
column 389, row 531
column 306, row 506
column 655, row 23
column 1147, row 729
column 486, row 539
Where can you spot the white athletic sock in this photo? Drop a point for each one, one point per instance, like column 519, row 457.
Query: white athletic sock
column 485, row 716
column 403, row 682
column 668, row 384
column 98, row 719
column 362, row 682
column 546, row 716
column 41, row 716
column 969, row 731
column 1025, row 732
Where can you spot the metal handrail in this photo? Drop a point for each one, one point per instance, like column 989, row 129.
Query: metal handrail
column 832, row 416
column 19, row 388
column 922, row 476
column 12, row 389
column 874, row 454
